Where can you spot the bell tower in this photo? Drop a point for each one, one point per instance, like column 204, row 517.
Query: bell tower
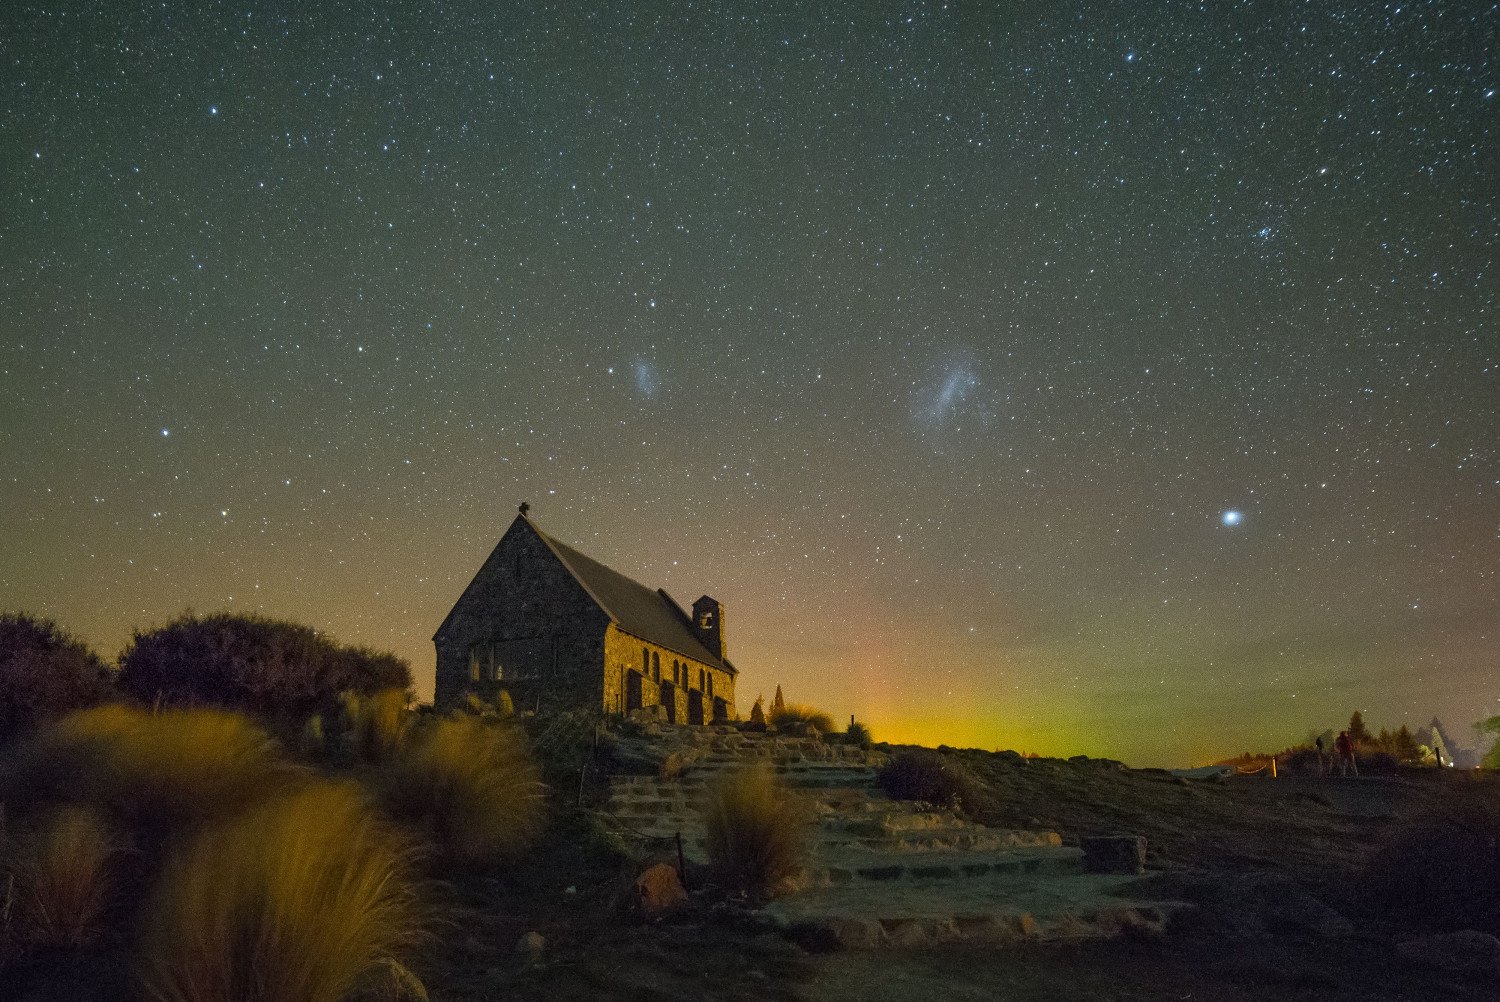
column 708, row 625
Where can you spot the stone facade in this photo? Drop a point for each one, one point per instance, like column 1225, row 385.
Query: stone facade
column 557, row 630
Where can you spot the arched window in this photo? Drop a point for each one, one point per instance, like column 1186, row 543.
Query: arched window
column 645, row 661
column 700, row 678
column 656, row 663
column 710, row 685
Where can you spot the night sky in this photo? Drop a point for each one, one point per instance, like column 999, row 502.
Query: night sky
column 1120, row 379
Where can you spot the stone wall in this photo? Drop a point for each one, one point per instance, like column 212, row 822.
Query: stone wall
column 524, row 613
column 625, row 654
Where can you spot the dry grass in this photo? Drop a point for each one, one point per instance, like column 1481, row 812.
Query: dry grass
column 306, row 896
column 757, row 832
column 473, row 786
column 793, row 714
column 56, row 875
column 378, row 723
column 157, row 771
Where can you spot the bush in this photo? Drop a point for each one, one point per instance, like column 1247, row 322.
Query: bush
column 156, row 772
column 791, row 716
column 45, row 673
column 757, row 832
column 264, row 666
column 1443, row 866
column 930, row 778
column 377, row 723
column 472, row 786
column 57, row 881
column 858, row 735
column 305, row 896
column 1376, row 763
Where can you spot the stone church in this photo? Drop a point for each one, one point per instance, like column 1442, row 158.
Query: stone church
column 559, row 630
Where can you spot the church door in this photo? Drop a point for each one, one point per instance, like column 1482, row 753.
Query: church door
column 721, row 710
column 695, row 706
column 632, row 691
column 669, row 701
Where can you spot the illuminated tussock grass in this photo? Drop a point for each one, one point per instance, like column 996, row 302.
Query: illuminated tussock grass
column 159, row 771
column 55, row 880
column 377, row 723
column 794, row 713
column 472, row 785
column 306, row 896
column 757, row 832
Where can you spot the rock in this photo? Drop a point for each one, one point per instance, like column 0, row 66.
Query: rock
column 532, row 944
column 1114, row 853
column 659, row 890
column 1464, row 952
column 673, row 765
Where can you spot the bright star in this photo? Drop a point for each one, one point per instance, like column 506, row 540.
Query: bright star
column 165, row 432
column 1231, row 517
column 213, row 109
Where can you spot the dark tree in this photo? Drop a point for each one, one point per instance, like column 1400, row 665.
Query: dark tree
column 265, row 666
column 1357, row 731
column 1405, row 745
column 45, row 672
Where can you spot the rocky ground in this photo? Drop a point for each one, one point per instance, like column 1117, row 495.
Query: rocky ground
column 1253, row 890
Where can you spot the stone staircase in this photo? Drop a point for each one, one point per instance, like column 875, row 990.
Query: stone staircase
column 884, row 872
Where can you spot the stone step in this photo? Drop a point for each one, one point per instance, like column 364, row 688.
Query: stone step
column 1001, row 908
column 843, row 865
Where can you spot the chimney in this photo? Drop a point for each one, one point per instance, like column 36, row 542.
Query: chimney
column 708, row 625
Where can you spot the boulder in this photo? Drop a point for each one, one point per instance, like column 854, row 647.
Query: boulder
column 1114, row 853
column 531, row 945
column 1465, row 952
column 659, row 890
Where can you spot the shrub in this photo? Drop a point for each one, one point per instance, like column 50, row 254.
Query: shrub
column 45, row 673
column 57, row 880
column 472, row 786
column 252, row 663
column 858, row 735
column 1376, row 763
column 790, row 716
column 929, row 777
column 377, row 723
column 305, row 896
column 157, row 772
column 1444, row 864
column 757, row 832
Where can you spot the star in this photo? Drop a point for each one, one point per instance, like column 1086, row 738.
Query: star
column 1232, row 517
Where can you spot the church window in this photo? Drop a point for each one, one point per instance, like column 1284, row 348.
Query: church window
column 656, row 664
column 700, row 678
column 473, row 664
column 710, row 684
column 706, row 620
column 645, row 661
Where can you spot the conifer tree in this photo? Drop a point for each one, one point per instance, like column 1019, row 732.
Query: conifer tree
column 778, row 704
column 1357, row 731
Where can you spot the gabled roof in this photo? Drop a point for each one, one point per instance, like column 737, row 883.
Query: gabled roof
column 653, row 616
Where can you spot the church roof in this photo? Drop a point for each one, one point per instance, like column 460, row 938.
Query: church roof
column 653, row 616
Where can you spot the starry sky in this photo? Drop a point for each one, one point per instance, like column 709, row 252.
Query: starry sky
column 1119, row 379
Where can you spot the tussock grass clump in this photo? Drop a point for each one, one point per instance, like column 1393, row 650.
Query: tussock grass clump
column 55, row 881
column 472, row 786
column 858, row 735
column 305, row 896
column 1443, row 866
column 377, row 723
column 757, row 832
column 930, row 778
column 154, row 771
column 794, row 715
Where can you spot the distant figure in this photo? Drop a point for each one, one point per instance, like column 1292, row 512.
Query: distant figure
column 1322, row 757
column 1344, row 745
